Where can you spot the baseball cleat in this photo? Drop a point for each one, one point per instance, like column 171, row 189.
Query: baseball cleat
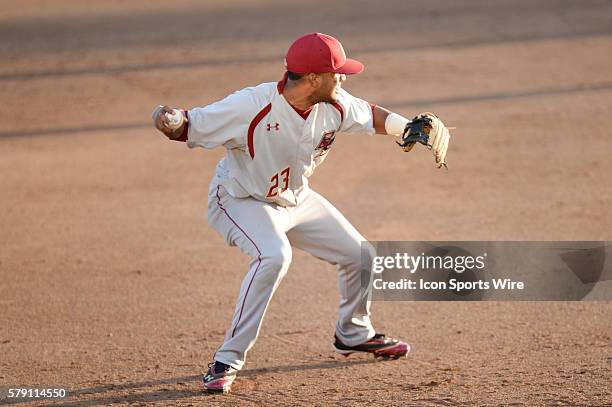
column 380, row 346
column 219, row 377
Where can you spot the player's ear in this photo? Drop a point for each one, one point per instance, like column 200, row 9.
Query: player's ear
column 315, row 80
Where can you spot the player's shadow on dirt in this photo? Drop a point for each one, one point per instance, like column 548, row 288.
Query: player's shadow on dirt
column 184, row 387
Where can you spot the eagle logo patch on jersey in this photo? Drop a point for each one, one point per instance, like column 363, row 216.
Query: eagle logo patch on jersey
column 326, row 142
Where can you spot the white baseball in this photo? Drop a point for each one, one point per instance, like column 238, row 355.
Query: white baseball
column 175, row 119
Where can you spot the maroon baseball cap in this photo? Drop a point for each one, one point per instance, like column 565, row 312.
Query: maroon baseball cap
column 320, row 53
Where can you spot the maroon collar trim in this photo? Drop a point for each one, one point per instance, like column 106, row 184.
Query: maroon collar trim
column 303, row 113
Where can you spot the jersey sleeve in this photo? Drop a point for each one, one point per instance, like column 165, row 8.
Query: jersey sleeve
column 357, row 114
column 224, row 122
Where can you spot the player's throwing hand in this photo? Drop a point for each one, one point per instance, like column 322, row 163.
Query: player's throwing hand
column 169, row 121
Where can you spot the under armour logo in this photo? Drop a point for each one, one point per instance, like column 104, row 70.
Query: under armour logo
column 276, row 127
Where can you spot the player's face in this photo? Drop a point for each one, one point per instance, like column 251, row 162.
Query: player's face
column 331, row 84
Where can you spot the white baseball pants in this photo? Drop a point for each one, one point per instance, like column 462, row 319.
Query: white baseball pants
column 266, row 232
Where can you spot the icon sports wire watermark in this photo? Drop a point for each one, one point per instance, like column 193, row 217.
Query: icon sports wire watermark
column 487, row 270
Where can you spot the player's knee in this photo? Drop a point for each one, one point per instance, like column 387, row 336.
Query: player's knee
column 360, row 256
column 368, row 252
column 276, row 262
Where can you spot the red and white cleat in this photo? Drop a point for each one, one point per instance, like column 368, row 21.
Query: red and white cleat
column 380, row 346
column 219, row 377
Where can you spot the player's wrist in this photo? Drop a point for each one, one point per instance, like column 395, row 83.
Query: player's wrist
column 395, row 124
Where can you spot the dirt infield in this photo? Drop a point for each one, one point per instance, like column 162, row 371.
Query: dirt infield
column 114, row 287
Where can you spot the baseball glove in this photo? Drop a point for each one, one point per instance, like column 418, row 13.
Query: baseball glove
column 428, row 130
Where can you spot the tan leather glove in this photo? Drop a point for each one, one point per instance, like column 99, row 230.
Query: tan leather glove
column 427, row 129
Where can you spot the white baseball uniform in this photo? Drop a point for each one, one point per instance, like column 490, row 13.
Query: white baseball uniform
column 259, row 200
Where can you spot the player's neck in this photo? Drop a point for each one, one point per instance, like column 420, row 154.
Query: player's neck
column 297, row 97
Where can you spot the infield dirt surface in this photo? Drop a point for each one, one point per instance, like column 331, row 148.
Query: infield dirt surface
column 115, row 287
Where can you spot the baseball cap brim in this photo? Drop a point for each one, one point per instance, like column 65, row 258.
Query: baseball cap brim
column 350, row 67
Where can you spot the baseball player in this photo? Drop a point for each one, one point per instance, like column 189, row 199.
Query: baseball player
column 275, row 135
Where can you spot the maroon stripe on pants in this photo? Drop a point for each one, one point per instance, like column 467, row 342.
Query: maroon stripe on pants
column 258, row 259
